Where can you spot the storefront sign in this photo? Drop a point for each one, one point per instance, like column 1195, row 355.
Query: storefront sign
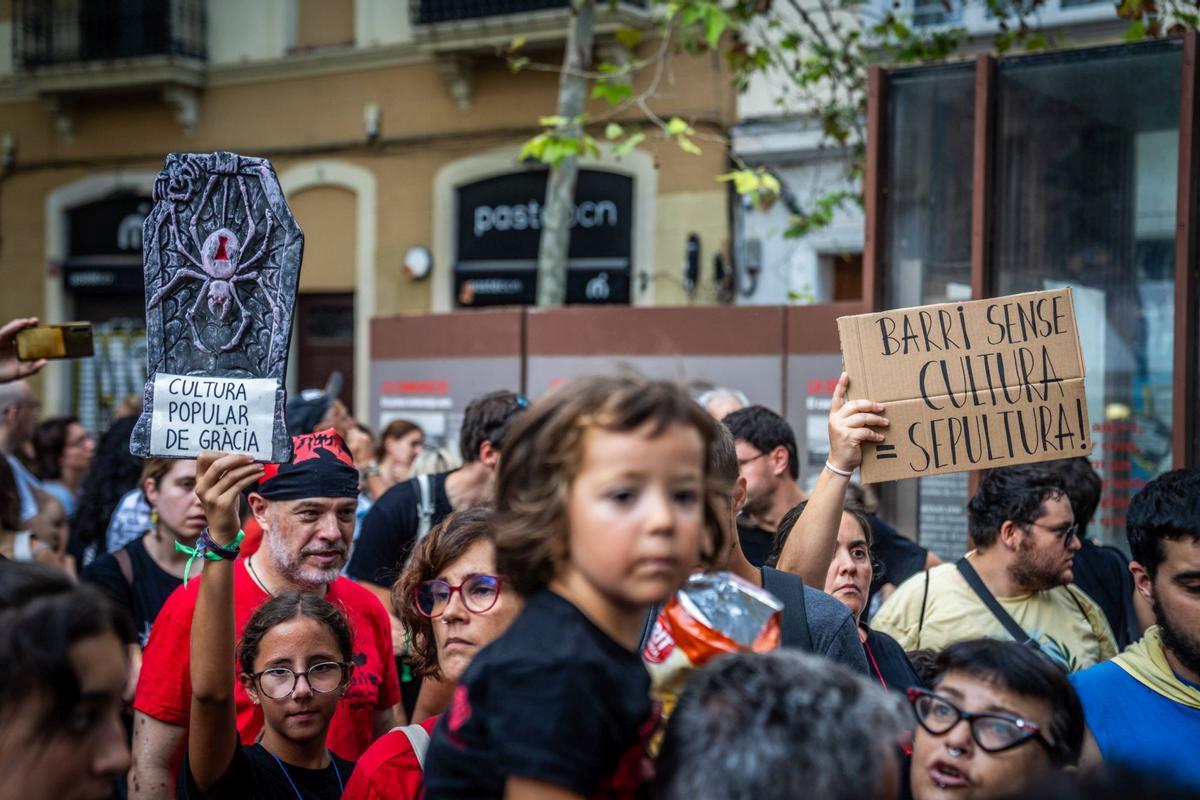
column 500, row 227
column 112, row 226
column 970, row 385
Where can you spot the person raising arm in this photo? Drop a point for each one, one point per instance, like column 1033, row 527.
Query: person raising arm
column 810, row 550
column 295, row 659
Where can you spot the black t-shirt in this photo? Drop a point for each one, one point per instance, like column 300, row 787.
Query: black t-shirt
column 554, row 699
column 255, row 774
column 901, row 557
column 1103, row 574
column 889, row 662
column 389, row 530
column 143, row 599
column 756, row 543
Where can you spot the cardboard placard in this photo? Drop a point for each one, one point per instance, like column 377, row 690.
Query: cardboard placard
column 971, row 385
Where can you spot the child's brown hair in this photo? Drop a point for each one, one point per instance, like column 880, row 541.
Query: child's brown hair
column 543, row 452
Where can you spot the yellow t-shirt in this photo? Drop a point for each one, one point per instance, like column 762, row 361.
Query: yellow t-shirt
column 954, row 613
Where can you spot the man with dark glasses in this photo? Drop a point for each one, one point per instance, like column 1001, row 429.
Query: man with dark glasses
column 999, row 716
column 1015, row 584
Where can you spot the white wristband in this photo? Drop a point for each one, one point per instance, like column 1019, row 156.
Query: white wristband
column 837, row 471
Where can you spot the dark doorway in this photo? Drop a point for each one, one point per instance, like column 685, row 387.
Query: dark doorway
column 325, row 341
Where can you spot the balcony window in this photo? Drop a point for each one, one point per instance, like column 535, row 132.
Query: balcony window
column 434, row 11
column 58, row 32
column 937, row 12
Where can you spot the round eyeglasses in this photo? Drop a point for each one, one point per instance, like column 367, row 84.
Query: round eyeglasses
column 993, row 732
column 279, row 682
column 479, row 593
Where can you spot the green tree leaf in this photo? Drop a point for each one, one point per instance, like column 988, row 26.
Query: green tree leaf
column 676, row 127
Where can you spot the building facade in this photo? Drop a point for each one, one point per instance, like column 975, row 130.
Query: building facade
column 395, row 129
column 782, row 132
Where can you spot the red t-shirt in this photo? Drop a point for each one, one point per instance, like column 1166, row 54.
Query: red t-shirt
column 389, row 770
column 164, row 688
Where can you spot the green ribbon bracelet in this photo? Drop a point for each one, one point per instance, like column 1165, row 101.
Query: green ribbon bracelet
column 202, row 550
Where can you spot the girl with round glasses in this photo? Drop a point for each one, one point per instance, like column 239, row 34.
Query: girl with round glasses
column 295, row 659
column 453, row 604
column 998, row 718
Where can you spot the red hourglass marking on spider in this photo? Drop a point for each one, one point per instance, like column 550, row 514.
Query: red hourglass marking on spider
column 221, row 254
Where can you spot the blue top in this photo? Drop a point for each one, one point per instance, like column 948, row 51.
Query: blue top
column 1137, row 727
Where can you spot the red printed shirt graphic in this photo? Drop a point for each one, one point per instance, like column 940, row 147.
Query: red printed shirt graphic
column 164, row 688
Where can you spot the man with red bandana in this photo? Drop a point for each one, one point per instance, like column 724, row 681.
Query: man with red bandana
column 306, row 509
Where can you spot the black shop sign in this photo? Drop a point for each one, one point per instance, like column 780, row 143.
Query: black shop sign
column 499, row 230
column 105, row 245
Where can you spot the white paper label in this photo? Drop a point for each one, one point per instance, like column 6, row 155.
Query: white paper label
column 231, row 415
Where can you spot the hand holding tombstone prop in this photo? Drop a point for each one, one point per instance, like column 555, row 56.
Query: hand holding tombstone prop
column 222, row 259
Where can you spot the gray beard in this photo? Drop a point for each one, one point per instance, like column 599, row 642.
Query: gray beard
column 287, row 563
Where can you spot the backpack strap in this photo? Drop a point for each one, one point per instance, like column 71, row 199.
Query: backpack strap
column 424, row 507
column 1082, row 611
column 125, row 564
column 993, row 605
column 789, row 589
column 418, row 737
column 22, row 546
column 924, row 603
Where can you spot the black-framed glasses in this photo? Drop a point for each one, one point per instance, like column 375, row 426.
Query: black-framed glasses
column 479, row 593
column 1066, row 534
column 744, row 461
column 279, row 682
column 992, row 731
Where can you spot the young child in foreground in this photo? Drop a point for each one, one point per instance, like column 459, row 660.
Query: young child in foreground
column 605, row 504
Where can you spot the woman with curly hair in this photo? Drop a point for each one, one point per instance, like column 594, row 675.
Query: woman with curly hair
column 452, row 603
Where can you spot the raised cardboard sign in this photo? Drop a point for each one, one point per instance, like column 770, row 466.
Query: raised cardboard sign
column 970, row 385
column 221, row 260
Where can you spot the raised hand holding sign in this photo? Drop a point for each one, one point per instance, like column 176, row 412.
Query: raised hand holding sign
column 970, row 385
column 222, row 257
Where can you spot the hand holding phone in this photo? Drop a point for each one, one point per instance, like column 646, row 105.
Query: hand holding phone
column 12, row 369
column 69, row 340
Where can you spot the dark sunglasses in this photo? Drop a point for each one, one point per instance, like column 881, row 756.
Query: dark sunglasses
column 993, row 732
column 478, row 592
column 1066, row 534
column 519, row 403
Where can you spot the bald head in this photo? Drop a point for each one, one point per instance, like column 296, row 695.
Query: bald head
column 18, row 415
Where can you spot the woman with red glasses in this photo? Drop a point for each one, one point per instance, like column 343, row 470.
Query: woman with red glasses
column 999, row 717
column 452, row 603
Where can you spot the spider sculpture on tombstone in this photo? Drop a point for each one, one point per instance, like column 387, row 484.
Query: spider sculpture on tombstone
column 219, row 261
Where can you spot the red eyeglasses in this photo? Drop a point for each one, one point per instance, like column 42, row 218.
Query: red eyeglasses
column 479, row 593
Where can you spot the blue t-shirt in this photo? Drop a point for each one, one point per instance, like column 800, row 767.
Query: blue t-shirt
column 1137, row 727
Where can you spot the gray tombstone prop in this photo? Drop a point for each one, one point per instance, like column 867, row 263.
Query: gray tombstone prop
column 222, row 263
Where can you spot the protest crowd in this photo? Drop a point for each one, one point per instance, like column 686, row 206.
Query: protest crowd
column 525, row 618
